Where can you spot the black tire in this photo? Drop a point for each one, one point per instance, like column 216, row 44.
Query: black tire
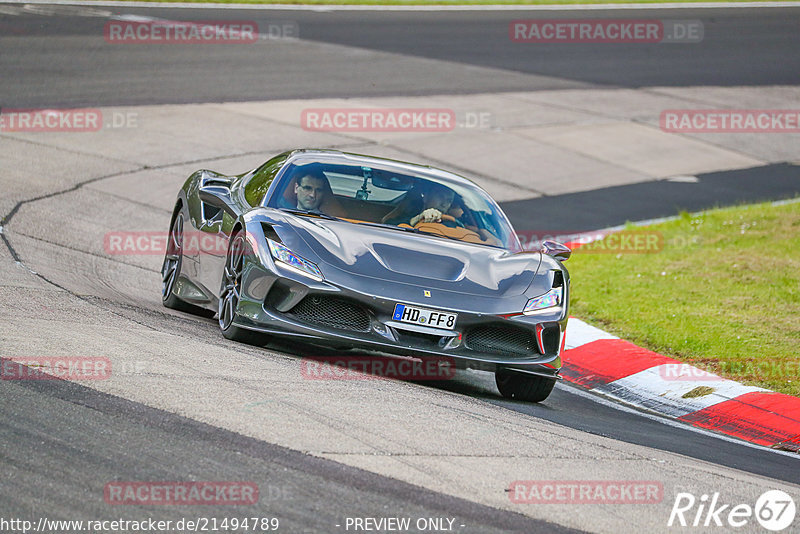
column 171, row 270
column 523, row 387
column 230, row 292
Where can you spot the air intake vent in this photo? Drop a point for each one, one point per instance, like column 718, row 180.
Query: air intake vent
column 551, row 337
column 332, row 312
column 270, row 233
column 501, row 340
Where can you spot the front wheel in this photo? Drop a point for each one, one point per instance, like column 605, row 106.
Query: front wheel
column 230, row 293
column 523, row 387
column 171, row 268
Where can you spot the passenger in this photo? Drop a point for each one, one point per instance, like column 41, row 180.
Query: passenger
column 436, row 202
column 430, row 205
column 424, row 203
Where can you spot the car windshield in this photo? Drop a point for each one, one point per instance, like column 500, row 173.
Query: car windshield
column 378, row 195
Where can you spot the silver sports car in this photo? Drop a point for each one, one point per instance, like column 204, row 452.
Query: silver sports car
column 354, row 251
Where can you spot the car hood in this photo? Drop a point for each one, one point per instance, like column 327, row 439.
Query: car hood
column 402, row 257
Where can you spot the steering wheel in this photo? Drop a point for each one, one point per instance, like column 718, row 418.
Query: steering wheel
column 446, row 217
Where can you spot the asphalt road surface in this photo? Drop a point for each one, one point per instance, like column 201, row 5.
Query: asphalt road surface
column 61, row 60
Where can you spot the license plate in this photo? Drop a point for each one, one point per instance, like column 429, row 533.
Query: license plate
column 424, row 317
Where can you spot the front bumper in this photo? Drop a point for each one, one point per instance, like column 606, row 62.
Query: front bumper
column 270, row 301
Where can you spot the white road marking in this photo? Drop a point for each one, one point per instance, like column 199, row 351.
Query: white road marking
column 684, row 179
column 658, row 389
column 379, row 7
column 55, row 10
column 579, row 333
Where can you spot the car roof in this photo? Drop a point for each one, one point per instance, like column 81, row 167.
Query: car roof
column 336, row 156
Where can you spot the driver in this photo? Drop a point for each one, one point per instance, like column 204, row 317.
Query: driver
column 310, row 190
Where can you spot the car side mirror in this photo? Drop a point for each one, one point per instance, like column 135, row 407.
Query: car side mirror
column 219, row 197
column 557, row 250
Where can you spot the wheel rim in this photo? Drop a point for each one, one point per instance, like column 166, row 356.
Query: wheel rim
column 231, row 282
column 172, row 260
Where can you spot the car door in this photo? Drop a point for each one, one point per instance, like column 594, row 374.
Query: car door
column 244, row 193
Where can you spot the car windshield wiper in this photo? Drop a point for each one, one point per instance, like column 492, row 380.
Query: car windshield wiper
column 423, row 232
column 312, row 213
column 390, row 227
column 408, row 229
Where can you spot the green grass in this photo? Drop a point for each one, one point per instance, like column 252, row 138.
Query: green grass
column 723, row 294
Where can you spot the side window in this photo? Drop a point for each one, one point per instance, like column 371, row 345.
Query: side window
column 258, row 185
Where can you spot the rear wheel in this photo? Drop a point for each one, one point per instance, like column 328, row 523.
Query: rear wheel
column 230, row 293
column 523, row 387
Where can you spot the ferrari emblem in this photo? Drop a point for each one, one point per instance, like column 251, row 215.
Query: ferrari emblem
column 427, row 293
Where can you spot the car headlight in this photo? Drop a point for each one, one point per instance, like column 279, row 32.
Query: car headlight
column 551, row 299
column 289, row 260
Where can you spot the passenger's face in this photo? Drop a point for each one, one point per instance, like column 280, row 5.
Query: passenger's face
column 310, row 191
column 439, row 199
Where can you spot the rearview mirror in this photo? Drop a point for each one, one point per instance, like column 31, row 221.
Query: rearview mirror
column 557, row 250
column 219, row 197
column 393, row 182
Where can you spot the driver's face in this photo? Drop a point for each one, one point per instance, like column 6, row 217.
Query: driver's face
column 440, row 199
column 310, row 191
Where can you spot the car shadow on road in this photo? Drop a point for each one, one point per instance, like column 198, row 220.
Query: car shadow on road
column 434, row 372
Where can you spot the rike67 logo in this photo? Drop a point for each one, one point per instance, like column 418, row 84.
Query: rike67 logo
column 774, row 510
